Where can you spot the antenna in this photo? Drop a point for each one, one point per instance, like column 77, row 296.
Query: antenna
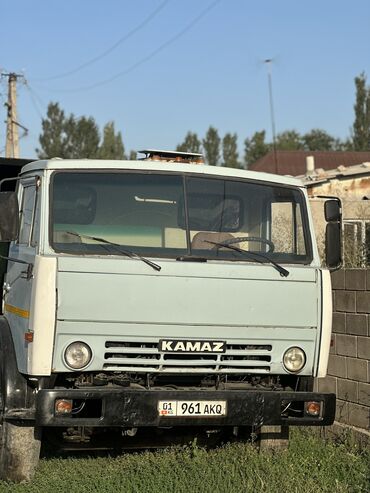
column 268, row 63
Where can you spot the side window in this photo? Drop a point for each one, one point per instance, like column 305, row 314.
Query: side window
column 287, row 228
column 27, row 214
column 36, row 221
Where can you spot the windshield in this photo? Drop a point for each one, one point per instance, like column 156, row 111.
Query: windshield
column 177, row 216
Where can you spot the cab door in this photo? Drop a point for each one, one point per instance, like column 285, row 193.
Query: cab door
column 19, row 278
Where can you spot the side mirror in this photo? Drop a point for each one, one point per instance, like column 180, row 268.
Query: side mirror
column 332, row 210
column 9, row 216
column 333, row 245
column 333, row 234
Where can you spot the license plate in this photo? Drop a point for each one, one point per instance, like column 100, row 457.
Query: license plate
column 209, row 409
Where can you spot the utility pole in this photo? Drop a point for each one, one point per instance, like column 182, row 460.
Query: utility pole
column 268, row 63
column 12, row 137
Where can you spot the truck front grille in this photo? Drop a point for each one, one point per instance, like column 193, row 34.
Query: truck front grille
column 132, row 356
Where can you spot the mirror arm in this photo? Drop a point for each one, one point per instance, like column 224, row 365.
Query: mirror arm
column 29, row 271
column 4, row 180
column 333, row 197
column 338, row 267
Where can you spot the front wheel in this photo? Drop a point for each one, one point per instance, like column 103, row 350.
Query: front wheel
column 19, row 451
column 19, row 440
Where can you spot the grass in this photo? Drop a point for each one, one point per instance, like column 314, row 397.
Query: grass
column 310, row 465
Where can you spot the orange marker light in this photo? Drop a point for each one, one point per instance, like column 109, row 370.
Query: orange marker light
column 63, row 406
column 313, row 408
column 28, row 336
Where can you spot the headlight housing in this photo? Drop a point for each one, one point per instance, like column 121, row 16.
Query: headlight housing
column 77, row 355
column 294, row 359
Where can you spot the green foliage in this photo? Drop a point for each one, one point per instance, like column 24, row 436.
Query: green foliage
column 211, row 146
column 289, row 140
column 361, row 125
column 133, row 156
column 112, row 145
column 311, row 465
column 255, row 147
column 191, row 144
column 230, row 151
column 318, row 140
column 54, row 139
column 83, row 138
column 343, row 145
column 72, row 138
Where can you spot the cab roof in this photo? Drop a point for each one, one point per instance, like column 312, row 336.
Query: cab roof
column 144, row 165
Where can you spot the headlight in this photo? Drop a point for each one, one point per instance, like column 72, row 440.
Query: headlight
column 294, row 359
column 77, row 355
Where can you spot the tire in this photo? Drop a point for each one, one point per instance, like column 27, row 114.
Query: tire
column 20, row 441
column 19, row 451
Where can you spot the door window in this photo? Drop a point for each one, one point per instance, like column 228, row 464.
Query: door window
column 27, row 214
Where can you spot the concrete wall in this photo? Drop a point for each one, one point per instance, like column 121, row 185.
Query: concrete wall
column 352, row 187
column 349, row 361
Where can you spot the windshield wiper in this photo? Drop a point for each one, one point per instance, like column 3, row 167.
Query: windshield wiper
column 190, row 258
column 119, row 248
column 253, row 256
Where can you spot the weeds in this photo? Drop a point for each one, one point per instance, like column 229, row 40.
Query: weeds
column 312, row 464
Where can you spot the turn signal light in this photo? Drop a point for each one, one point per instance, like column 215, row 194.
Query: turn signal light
column 313, row 408
column 28, row 336
column 63, row 406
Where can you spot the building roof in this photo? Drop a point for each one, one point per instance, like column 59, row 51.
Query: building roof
column 294, row 162
column 320, row 176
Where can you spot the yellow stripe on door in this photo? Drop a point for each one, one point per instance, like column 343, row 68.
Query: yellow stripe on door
column 17, row 311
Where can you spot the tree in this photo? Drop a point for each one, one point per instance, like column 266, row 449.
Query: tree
column 191, row 144
column 211, row 146
column 67, row 137
column 112, row 145
column 72, row 137
column 133, row 156
column 255, row 147
column 230, row 151
column 289, row 140
column 83, row 138
column 343, row 145
column 318, row 140
column 361, row 125
column 54, row 138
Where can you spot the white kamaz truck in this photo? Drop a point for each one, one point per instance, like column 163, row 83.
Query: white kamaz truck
column 158, row 293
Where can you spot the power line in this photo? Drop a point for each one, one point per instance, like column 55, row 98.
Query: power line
column 35, row 100
column 145, row 59
column 2, row 98
column 124, row 38
column 3, row 103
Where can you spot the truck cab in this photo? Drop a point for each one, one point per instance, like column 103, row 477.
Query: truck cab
column 160, row 293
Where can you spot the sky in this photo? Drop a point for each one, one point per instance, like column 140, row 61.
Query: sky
column 159, row 68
